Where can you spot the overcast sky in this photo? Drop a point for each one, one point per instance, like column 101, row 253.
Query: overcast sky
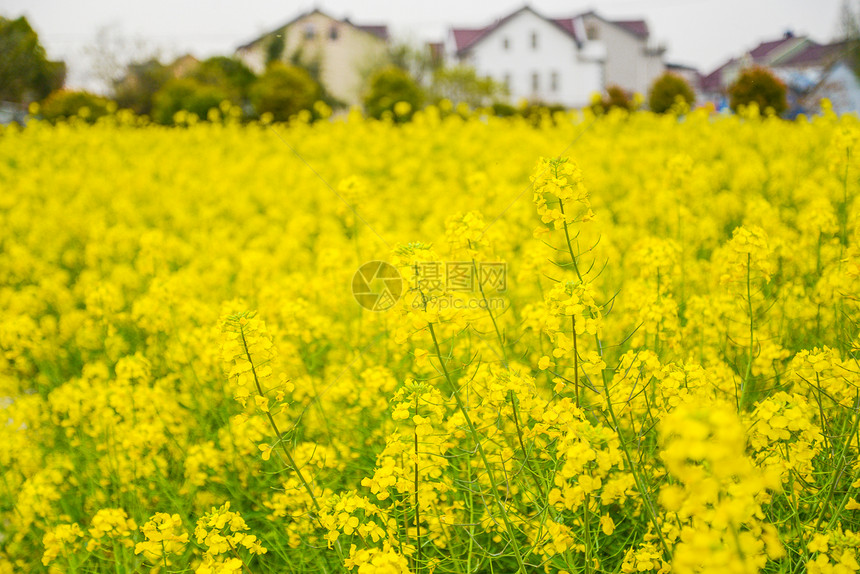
column 702, row 33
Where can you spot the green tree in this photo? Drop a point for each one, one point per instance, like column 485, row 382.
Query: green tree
column 666, row 91
column 26, row 74
column 136, row 90
column 390, row 86
column 849, row 24
column 275, row 47
column 229, row 74
column 63, row 104
column 420, row 63
column 757, row 85
column 185, row 94
column 616, row 97
column 462, row 84
column 283, row 91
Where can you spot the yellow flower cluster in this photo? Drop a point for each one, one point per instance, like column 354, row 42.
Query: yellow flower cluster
column 223, row 532
column 60, row 540
column 110, row 525
column 717, row 492
column 164, row 537
column 641, row 356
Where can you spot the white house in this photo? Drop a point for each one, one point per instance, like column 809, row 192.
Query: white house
column 839, row 85
column 537, row 58
column 633, row 62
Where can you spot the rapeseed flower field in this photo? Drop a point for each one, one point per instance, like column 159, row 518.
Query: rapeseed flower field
column 463, row 344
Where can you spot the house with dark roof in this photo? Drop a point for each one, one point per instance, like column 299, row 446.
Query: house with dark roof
column 559, row 60
column 344, row 52
column 633, row 61
column 690, row 74
column 800, row 62
column 840, row 85
column 535, row 57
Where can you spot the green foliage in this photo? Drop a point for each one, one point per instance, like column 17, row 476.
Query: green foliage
column 462, row 84
column 666, row 91
column 389, row 87
column 539, row 114
column 503, row 110
column 312, row 64
column 26, row 74
column 218, row 77
column 275, row 47
column 185, row 94
column 228, row 74
column 849, row 24
column 616, row 98
column 64, row 104
column 136, row 91
column 284, row 91
column 759, row 86
column 420, row 63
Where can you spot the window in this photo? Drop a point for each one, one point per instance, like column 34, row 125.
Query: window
column 506, row 43
column 309, row 32
column 553, row 82
column 535, row 81
column 507, row 82
column 534, row 41
column 332, row 33
column 591, row 31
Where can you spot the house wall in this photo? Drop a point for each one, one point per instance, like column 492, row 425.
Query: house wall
column 345, row 61
column 628, row 64
column 841, row 87
column 254, row 57
column 555, row 56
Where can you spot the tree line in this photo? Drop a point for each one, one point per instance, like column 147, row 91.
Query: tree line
column 186, row 88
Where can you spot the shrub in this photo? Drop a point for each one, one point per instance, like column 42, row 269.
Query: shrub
column 758, row 85
column 136, row 90
column 503, row 110
column 616, row 97
column 229, row 74
column 462, row 84
column 388, row 87
column 666, row 90
column 185, row 94
column 26, row 74
column 538, row 113
column 284, row 91
column 64, row 104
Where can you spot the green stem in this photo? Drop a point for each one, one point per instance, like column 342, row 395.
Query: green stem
column 747, row 376
column 417, row 510
column 820, row 400
column 283, row 445
column 575, row 359
column 236, row 553
column 640, row 483
column 586, row 526
column 569, row 246
column 276, row 430
column 578, row 274
column 493, row 484
column 490, row 313
column 843, row 215
column 843, row 461
column 526, row 459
